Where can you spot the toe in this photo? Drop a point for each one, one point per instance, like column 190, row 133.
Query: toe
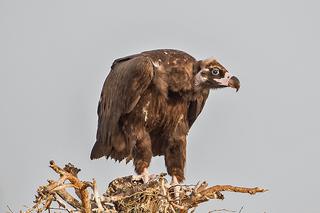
column 145, row 178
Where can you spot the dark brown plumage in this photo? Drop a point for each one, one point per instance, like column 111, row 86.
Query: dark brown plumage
column 148, row 103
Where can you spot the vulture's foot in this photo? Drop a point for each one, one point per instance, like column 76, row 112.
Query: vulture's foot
column 144, row 176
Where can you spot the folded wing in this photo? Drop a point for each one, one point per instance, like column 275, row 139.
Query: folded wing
column 128, row 79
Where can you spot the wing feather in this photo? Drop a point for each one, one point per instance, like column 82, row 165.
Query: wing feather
column 128, row 79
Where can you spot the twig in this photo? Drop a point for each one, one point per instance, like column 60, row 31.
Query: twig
column 241, row 209
column 52, row 208
column 77, row 184
column 96, row 195
column 221, row 188
column 9, row 209
column 126, row 195
column 69, row 199
column 220, row 210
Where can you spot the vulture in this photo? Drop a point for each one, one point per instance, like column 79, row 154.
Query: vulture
column 149, row 102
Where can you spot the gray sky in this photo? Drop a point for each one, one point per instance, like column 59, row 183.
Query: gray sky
column 55, row 56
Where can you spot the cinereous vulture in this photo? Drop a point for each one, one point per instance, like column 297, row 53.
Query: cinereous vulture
column 148, row 104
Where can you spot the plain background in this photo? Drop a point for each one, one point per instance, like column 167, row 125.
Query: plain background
column 55, row 55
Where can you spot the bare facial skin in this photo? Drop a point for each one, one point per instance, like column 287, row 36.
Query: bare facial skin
column 213, row 75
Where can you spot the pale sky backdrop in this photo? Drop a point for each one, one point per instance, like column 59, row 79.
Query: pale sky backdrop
column 55, row 55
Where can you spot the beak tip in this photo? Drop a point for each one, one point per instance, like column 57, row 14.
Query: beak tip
column 234, row 83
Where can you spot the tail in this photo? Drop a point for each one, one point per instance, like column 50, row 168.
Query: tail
column 115, row 147
column 98, row 150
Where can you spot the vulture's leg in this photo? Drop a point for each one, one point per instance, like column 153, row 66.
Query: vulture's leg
column 142, row 154
column 144, row 176
column 175, row 158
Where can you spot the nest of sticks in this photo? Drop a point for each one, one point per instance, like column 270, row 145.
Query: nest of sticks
column 124, row 194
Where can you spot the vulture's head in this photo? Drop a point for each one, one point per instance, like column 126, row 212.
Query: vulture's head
column 211, row 74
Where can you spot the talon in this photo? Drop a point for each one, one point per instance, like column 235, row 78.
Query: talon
column 145, row 177
column 152, row 176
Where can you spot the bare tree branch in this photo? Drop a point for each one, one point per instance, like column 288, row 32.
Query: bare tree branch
column 126, row 194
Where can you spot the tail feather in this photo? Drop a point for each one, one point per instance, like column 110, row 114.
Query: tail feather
column 98, row 150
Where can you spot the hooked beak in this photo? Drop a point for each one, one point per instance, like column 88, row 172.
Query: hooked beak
column 229, row 81
column 234, row 83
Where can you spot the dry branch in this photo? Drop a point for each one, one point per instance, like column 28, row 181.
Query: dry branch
column 125, row 194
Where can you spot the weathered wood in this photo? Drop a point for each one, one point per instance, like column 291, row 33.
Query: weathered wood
column 125, row 194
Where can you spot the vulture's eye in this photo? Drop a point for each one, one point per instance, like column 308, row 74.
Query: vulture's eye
column 215, row 71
